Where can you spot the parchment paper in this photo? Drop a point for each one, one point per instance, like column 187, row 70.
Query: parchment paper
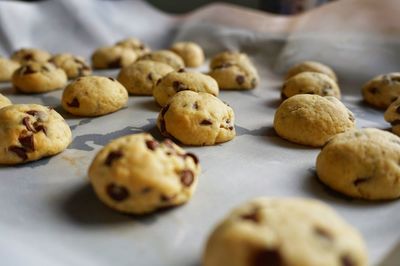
column 49, row 215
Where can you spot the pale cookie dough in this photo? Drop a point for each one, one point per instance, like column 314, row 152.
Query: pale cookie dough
column 140, row 77
column 310, row 83
column 166, row 57
column 4, row 101
column 382, row 90
column 138, row 46
column 197, row 119
column 74, row 66
column 29, row 132
column 234, row 70
column 34, row 77
column 191, row 53
column 110, row 57
column 362, row 163
column 311, row 66
column 94, row 96
column 284, row 232
column 7, row 68
column 392, row 115
column 136, row 174
column 30, row 54
column 311, row 119
column 175, row 82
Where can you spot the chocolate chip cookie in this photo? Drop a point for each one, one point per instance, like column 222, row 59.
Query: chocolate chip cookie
column 191, row 53
column 284, row 232
column 34, row 77
column 392, row 115
column 382, row 90
column 110, row 57
column 310, row 83
column 30, row 132
column 74, row 66
column 197, row 119
column 311, row 66
column 7, row 68
column 311, row 119
column 30, row 54
column 137, row 174
column 94, row 96
column 140, row 77
column 174, row 82
column 362, row 163
column 166, row 57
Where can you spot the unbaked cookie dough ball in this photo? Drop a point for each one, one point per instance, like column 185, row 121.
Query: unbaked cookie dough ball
column 311, row 119
column 197, row 119
column 284, row 232
column 310, row 83
column 362, row 163
column 191, row 53
column 94, row 96
column 137, row 174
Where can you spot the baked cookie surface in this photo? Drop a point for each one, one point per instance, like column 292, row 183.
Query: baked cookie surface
column 392, row 115
column 137, row 174
column 4, row 101
column 110, row 57
column 382, row 90
column 74, row 66
column 165, row 56
column 197, row 119
column 140, row 77
column 7, row 68
column 135, row 44
column 174, row 82
column 94, row 96
column 34, row 77
column 191, row 53
column 284, row 232
column 310, row 83
column 24, row 55
column 30, row 132
column 311, row 66
column 311, row 119
column 362, row 163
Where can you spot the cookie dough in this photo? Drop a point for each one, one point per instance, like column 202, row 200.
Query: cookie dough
column 392, row 115
column 113, row 57
column 34, row 77
column 310, row 83
column 311, row 66
column 74, row 66
column 4, row 101
column 311, row 119
column 138, row 46
column 362, row 163
column 234, row 70
column 174, row 82
column 166, row 57
column 137, row 174
column 30, row 54
column 197, row 119
column 382, row 90
column 94, row 96
column 140, row 77
column 7, row 68
column 284, row 232
column 191, row 53
column 30, row 132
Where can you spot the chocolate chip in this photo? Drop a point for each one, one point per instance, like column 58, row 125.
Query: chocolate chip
column 28, row 57
column 27, row 124
column 27, row 142
column 253, row 216
column 152, row 144
column 398, row 109
column 266, row 257
column 181, row 70
column 166, row 198
column 230, row 128
column 141, row 47
column 323, row 233
column 74, row 103
column 194, row 157
column 32, row 112
column 38, row 127
column 395, row 123
column 206, row 122
column 45, row 68
column 187, row 177
column 240, row 79
column 393, row 99
column 360, row 180
column 309, row 92
column 347, row 261
column 158, row 81
column 19, row 151
column 116, row 192
column 179, row 86
column 146, row 190
column 110, row 78
column 116, row 63
column 150, row 77
column 351, row 117
column 27, row 70
column 114, row 155
column 373, row 90
column 196, row 106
